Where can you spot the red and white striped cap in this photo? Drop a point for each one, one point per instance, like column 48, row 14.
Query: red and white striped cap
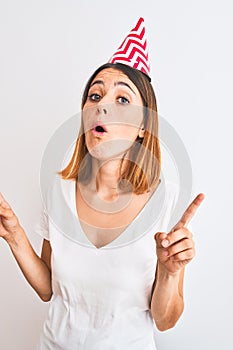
column 133, row 50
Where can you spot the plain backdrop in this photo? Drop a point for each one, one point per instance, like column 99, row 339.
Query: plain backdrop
column 48, row 49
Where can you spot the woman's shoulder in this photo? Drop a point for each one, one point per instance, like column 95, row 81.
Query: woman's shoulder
column 171, row 188
column 59, row 191
column 166, row 188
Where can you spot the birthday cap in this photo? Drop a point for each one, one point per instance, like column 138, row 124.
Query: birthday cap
column 133, row 50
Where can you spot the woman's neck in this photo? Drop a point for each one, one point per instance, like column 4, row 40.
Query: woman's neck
column 105, row 178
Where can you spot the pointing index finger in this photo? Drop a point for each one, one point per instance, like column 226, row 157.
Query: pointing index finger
column 189, row 212
column 3, row 202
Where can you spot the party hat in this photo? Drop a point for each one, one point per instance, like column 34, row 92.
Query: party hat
column 133, row 50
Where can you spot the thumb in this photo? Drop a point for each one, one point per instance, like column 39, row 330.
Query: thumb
column 161, row 239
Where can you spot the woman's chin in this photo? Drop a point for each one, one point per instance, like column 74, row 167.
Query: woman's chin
column 106, row 156
column 105, row 152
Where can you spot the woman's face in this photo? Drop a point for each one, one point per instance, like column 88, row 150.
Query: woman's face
column 112, row 115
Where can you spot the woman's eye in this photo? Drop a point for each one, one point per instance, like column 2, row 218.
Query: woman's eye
column 94, row 97
column 123, row 100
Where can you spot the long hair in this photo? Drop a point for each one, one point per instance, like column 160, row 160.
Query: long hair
column 143, row 160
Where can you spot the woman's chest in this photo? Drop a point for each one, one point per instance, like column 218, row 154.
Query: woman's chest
column 102, row 224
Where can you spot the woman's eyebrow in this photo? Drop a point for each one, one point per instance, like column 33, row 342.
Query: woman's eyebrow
column 98, row 82
column 117, row 83
column 124, row 84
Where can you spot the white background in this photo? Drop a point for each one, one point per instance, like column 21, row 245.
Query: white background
column 48, row 51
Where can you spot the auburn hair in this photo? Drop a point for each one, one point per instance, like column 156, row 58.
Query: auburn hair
column 143, row 160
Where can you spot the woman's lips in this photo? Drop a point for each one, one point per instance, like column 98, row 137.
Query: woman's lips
column 98, row 133
column 99, row 129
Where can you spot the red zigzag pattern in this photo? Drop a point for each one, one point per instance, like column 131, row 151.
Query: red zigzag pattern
column 133, row 50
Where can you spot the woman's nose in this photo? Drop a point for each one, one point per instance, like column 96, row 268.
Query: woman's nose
column 102, row 109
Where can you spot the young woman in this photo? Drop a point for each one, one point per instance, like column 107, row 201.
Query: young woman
column 117, row 278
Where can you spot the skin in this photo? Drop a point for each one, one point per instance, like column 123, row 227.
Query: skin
column 116, row 102
column 34, row 268
column 175, row 249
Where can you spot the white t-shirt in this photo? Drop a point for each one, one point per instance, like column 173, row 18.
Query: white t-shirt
column 101, row 296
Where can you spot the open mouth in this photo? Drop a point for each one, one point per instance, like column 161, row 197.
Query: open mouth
column 99, row 129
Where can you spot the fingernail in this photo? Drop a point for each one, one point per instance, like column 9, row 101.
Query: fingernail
column 166, row 253
column 165, row 243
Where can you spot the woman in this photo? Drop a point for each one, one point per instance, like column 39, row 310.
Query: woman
column 107, row 292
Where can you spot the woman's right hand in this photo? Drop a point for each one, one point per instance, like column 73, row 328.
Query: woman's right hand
column 9, row 223
column 35, row 269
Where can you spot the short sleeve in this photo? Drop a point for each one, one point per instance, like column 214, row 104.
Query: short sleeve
column 42, row 227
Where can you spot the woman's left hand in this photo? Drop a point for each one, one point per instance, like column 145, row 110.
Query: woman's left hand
column 176, row 248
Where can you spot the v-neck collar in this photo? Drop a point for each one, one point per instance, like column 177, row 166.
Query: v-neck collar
column 140, row 225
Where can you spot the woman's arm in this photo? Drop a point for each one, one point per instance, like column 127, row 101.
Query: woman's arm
column 174, row 251
column 35, row 269
column 167, row 302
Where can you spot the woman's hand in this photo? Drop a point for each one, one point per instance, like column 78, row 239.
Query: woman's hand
column 176, row 248
column 9, row 223
column 35, row 269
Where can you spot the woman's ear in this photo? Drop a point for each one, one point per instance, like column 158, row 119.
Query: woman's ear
column 141, row 132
